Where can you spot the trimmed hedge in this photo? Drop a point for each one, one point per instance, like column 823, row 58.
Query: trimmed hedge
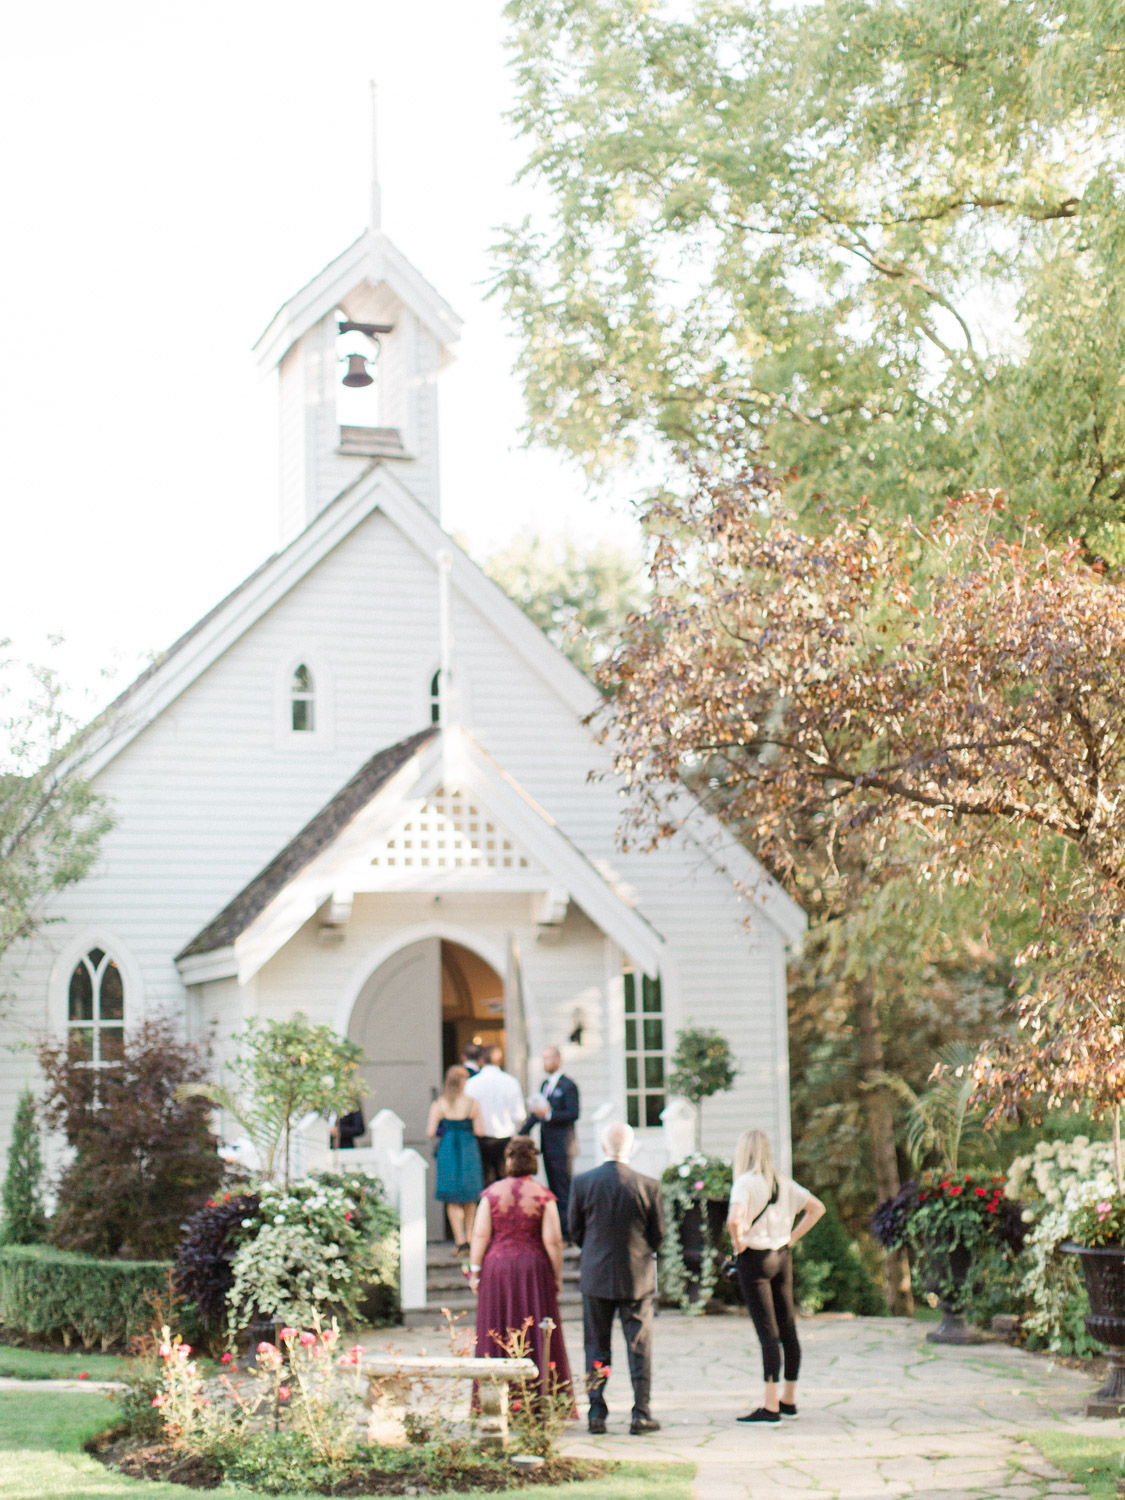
column 57, row 1294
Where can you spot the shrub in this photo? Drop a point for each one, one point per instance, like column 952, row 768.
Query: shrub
column 829, row 1272
column 24, row 1221
column 143, row 1158
column 47, row 1293
column 205, row 1256
column 702, row 1065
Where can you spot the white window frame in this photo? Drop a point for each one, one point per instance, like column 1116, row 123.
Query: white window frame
column 77, row 946
column 322, row 736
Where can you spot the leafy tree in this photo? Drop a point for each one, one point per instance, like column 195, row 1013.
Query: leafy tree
column 879, row 243
column 144, row 1156
column 702, row 1066
column 24, row 1221
column 579, row 598
column 285, row 1070
column 51, row 820
column 936, row 685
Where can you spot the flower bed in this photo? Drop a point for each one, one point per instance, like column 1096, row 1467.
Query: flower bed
column 63, row 1296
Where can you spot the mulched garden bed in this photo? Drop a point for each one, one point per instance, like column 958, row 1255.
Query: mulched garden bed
column 137, row 1459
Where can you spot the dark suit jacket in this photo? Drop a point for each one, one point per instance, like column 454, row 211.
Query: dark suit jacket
column 616, row 1217
column 556, row 1135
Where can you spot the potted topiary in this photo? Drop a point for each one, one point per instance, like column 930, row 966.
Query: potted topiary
column 1098, row 1238
column 702, row 1065
column 696, row 1194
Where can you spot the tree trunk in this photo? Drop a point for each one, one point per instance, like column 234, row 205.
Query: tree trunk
column 881, row 1127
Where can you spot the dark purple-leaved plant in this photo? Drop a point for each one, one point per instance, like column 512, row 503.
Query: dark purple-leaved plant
column 203, row 1258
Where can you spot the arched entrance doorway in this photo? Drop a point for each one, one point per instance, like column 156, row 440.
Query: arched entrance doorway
column 416, row 1011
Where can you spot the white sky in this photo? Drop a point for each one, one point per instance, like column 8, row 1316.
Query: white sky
column 171, row 173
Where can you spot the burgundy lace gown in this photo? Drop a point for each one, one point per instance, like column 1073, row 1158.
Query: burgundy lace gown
column 517, row 1282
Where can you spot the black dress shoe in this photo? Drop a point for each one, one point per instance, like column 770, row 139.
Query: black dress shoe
column 640, row 1425
column 596, row 1425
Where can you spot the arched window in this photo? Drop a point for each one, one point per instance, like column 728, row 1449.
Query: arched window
column 302, row 701
column 435, row 697
column 96, row 1008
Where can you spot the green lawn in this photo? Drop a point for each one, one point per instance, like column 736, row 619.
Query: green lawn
column 35, row 1364
column 47, row 1430
column 1092, row 1461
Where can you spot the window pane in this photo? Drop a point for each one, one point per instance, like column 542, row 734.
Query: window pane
column 652, row 994
column 81, row 995
column 302, row 680
column 82, row 1043
column 630, row 1035
column 654, row 1036
column 95, row 956
column 654, row 1103
column 302, row 713
column 654, row 1073
column 630, row 994
column 632, row 1112
column 111, row 1043
column 631, row 1081
column 111, row 994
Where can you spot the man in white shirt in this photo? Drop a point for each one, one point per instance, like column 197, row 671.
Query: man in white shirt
column 501, row 1106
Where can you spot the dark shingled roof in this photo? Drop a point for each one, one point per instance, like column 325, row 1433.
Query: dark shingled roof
column 316, row 835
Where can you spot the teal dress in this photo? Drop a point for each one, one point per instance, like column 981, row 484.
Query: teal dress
column 459, row 1175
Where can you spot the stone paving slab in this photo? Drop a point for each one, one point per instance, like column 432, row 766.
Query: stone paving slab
column 883, row 1413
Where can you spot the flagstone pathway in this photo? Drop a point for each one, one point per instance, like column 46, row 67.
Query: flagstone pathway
column 883, row 1413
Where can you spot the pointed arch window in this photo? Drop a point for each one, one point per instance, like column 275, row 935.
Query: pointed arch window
column 96, row 1009
column 435, row 697
column 302, row 701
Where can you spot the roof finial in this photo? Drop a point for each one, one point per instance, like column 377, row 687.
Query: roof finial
column 376, row 193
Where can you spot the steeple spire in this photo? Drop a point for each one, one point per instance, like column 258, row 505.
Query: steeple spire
column 376, row 191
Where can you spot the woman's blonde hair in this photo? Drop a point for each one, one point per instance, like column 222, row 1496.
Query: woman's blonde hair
column 456, row 1078
column 753, row 1154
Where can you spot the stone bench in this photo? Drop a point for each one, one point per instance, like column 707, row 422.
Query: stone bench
column 494, row 1376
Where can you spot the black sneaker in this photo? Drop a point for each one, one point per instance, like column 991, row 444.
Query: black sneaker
column 787, row 1408
column 760, row 1414
column 640, row 1425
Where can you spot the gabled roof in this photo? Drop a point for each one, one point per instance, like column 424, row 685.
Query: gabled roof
column 338, row 853
column 314, row 837
column 371, row 259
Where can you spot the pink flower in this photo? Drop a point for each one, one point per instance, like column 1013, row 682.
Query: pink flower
column 329, row 1336
column 698, row 1185
column 226, row 1359
column 1104, row 1208
column 165, row 1351
column 308, row 1338
column 348, row 1214
column 158, row 1401
column 84, row 1376
column 283, row 1392
column 286, row 1334
column 183, row 1352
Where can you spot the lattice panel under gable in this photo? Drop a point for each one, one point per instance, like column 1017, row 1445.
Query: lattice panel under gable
column 451, row 833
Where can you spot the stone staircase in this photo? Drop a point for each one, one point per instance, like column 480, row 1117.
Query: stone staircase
column 447, row 1286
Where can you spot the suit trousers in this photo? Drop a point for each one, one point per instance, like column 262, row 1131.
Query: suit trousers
column 636, row 1324
column 557, row 1167
column 492, row 1148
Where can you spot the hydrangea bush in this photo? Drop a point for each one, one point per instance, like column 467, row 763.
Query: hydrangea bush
column 1057, row 1183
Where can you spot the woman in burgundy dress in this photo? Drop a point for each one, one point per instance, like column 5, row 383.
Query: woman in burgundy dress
column 515, row 1267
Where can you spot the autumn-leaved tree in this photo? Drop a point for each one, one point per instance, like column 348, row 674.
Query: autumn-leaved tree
column 942, row 690
column 880, row 243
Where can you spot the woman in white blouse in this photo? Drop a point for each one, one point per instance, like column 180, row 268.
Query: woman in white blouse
column 763, row 1206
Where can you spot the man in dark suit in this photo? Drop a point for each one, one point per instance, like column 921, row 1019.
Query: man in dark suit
column 554, row 1110
column 616, row 1217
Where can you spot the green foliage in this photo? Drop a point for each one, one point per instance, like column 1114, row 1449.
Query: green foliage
column 580, row 599
column 144, row 1155
column 51, row 821
column 943, row 1120
column 692, row 1184
column 286, row 1070
column 702, row 1064
column 813, row 231
column 24, row 1222
column 49, row 1364
column 1100, row 1223
column 829, row 1272
column 47, row 1293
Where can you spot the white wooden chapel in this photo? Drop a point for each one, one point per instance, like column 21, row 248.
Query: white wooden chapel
column 360, row 787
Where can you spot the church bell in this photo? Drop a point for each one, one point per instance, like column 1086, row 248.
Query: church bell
column 357, row 371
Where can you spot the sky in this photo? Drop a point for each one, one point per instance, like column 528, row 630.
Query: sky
column 171, row 173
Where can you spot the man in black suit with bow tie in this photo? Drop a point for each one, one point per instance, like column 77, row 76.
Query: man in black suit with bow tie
column 555, row 1110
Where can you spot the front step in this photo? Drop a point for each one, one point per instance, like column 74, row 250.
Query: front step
column 447, row 1287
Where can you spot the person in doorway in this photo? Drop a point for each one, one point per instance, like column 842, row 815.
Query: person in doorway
column 555, row 1110
column 763, row 1206
column 501, row 1103
column 616, row 1218
column 456, row 1123
column 515, row 1269
column 470, row 1058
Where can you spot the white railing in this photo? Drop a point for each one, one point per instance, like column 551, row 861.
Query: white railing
column 402, row 1171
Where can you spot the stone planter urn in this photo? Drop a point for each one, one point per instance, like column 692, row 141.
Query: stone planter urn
column 952, row 1329
column 691, row 1239
column 1104, row 1269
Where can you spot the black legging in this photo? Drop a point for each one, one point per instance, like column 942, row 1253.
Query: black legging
column 766, row 1280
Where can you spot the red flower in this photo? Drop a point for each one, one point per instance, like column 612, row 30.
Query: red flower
column 981, row 1192
column 992, row 1208
column 953, row 1191
column 85, row 1375
column 283, row 1392
column 226, row 1359
column 921, row 1197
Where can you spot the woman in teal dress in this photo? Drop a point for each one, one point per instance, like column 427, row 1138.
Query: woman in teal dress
column 456, row 1121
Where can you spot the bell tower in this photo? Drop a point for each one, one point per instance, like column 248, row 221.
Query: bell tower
column 357, row 352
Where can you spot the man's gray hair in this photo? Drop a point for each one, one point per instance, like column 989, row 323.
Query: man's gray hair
column 617, row 1141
